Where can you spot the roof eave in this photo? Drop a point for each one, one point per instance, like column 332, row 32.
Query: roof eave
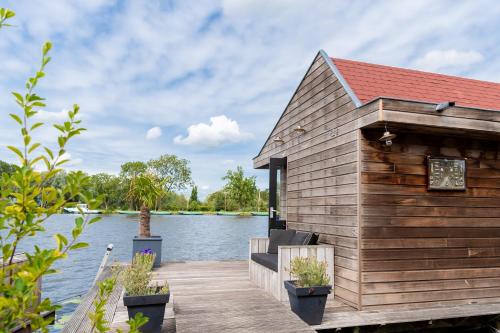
column 341, row 78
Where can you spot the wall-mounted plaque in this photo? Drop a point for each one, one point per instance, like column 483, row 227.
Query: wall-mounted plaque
column 448, row 174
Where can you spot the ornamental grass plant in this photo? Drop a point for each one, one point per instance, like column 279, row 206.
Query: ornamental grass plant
column 309, row 272
column 137, row 278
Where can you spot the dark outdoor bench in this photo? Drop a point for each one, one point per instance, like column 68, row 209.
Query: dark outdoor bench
column 270, row 258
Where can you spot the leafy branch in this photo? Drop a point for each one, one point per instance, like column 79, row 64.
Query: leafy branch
column 27, row 201
column 5, row 14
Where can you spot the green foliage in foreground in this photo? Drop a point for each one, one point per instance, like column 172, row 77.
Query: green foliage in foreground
column 27, row 200
column 97, row 316
column 309, row 272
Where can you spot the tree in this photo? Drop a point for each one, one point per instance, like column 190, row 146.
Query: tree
column 145, row 189
column 110, row 187
column 263, row 200
column 241, row 189
column 217, row 201
column 174, row 201
column 173, row 171
column 193, row 199
column 194, row 194
column 131, row 170
column 27, row 200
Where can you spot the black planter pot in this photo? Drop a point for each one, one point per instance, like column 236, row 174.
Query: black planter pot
column 143, row 243
column 151, row 306
column 308, row 303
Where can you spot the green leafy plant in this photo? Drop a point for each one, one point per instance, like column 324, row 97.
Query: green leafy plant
column 136, row 278
column 27, row 200
column 309, row 272
column 97, row 317
column 135, row 323
column 145, row 189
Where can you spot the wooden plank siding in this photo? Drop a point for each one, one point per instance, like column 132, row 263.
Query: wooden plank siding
column 322, row 168
column 421, row 248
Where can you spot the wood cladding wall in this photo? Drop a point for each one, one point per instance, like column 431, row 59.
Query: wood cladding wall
column 322, row 171
column 421, row 247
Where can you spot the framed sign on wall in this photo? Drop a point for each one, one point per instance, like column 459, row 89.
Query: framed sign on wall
column 446, row 173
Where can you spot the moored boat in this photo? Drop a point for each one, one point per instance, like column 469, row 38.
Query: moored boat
column 183, row 212
column 128, row 212
column 81, row 208
column 160, row 212
column 224, row 213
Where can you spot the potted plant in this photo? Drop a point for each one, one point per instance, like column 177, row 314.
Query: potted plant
column 146, row 190
column 308, row 293
column 140, row 295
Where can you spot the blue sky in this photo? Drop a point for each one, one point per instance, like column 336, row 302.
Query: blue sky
column 207, row 80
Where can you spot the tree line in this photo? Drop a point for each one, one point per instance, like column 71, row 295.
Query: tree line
column 239, row 192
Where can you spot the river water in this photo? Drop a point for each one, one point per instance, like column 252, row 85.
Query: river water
column 198, row 237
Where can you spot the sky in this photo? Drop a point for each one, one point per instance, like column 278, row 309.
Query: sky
column 207, row 80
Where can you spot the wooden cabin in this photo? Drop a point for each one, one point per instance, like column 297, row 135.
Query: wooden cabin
column 415, row 224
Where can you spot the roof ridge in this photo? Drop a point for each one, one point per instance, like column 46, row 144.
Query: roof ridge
column 415, row 71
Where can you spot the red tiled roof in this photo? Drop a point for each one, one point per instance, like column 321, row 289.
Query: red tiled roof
column 369, row 81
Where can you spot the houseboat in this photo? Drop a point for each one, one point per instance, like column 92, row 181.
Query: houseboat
column 399, row 171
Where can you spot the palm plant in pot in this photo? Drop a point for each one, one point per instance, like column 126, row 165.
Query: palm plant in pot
column 140, row 295
column 146, row 189
column 308, row 292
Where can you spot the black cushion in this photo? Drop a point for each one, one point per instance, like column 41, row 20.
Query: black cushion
column 300, row 238
column 268, row 260
column 279, row 237
column 304, row 238
column 313, row 239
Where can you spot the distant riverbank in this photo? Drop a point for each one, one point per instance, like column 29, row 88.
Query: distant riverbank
column 182, row 212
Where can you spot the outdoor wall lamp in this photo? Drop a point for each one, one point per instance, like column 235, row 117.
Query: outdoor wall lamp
column 387, row 137
column 299, row 129
column 278, row 139
column 443, row 106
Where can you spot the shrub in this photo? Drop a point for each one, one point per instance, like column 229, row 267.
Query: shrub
column 136, row 278
column 309, row 272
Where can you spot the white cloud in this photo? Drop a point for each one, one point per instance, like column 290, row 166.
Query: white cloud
column 221, row 130
column 153, row 133
column 52, row 117
column 437, row 59
column 72, row 161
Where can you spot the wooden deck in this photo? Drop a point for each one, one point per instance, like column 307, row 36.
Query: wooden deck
column 217, row 296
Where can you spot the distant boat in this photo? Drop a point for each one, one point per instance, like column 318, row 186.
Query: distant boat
column 224, row 213
column 81, row 208
column 259, row 213
column 128, row 212
column 183, row 212
column 160, row 212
